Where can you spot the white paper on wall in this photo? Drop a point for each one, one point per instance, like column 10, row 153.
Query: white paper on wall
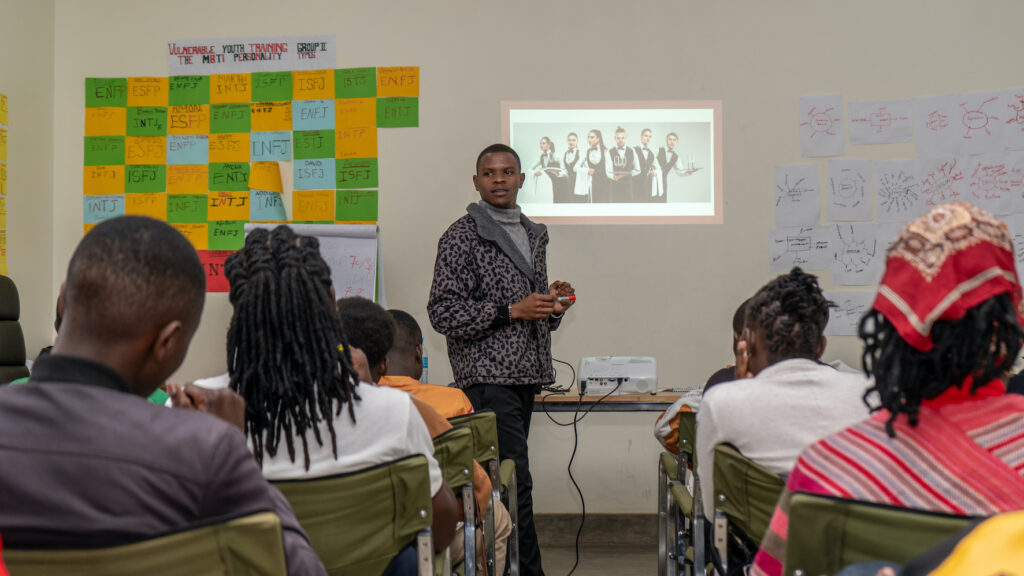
column 797, row 201
column 809, row 247
column 941, row 179
column 849, row 190
column 881, row 121
column 981, row 125
column 1015, row 222
column 897, row 189
column 1015, row 169
column 988, row 182
column 857, row 255
column 937, row 125
column 821, row 125
column 1013, row 113
column 851, row 305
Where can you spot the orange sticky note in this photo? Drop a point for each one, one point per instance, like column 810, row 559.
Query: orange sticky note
column 103, row 180
column 145, row 150
column 152, row 204
column 398, row 81
column 230, row 88
column 88, row 227
column 265, row 176
column 229, row 147
column 355, row 112
column 188, row 179
column 188, row 119
column 147, row 91
column 313, row 205
column 313, row 85
column 355, row 143
column 228, row 206
column 271, row 116
column 197, row 234
column 105, row 121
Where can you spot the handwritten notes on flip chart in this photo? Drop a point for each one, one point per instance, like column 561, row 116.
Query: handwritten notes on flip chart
column 851, row 305
column 821, row 125
column 797, row 202
column 881, row 121
column 849, row 189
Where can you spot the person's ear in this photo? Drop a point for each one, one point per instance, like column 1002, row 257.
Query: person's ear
column 382, row 369
column 821, row 347
column 750, row 337
column 522, row 179
column 165, row 345
column 419, row 353
column 476, row 184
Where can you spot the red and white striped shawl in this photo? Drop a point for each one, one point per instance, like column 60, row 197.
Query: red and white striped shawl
column 965, row 457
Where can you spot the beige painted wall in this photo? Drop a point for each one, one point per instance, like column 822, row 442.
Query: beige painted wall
column 664, row 291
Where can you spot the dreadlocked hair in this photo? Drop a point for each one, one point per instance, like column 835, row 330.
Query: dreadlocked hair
column 283, row 342
column 982, row 345
column 791, row 313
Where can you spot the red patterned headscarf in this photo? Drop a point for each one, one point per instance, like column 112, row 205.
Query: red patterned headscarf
column 943, row 264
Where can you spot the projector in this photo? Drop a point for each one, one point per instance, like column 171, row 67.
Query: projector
column 618, row 375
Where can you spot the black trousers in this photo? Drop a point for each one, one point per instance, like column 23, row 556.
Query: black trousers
column 513, row 407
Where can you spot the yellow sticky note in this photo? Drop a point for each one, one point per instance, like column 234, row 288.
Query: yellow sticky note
column 3, row 109
column 88, row 227
column 398, row 81
column 3, row 208
column 145, row 150
column 355, row 112
column 355, row 143
column 229, row 147
column 197, row 234
column 313, row 85
column 152, row 204
column 188, row 119
column 188, row 179
column 147, row 91
column 265, row 176
column 103, row 180
column 313, row 205
column 105, row 121
column 3, row 179
column 230, row 88
column 228, row 206
column 271, row 116
column 3, row 145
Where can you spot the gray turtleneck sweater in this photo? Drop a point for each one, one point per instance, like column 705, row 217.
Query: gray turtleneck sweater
column 508, row 219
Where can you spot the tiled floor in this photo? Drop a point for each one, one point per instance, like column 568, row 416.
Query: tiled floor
column 601, row 560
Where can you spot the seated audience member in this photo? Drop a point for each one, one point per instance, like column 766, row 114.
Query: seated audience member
column 666, row 427
column 783, row 399
column 87, row 462
column 943, row 329
column 405, row 367
column 306, row 417
column 373, row 333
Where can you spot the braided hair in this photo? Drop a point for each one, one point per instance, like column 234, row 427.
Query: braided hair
column 982, row 345
column 791, row 313
column 287, row 354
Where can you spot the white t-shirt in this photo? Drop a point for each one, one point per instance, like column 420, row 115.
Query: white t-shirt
column 388, row 427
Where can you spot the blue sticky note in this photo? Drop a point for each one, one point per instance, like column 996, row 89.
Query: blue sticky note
column 188, row 149
column 313, row 115
column 270, row 146
column 315, row 174
column 100, row 207
column 266, row 206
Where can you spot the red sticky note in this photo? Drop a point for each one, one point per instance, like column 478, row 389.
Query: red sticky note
column 213, row 265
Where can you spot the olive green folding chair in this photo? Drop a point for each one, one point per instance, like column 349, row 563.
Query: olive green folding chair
column 453, row 450
column 484, row 425
column 745, row 498
column 357, row 522
column 825, row 534
column 678, row 493
column 248, row 545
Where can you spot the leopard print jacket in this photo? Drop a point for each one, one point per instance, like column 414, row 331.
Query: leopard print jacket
column 478, row 271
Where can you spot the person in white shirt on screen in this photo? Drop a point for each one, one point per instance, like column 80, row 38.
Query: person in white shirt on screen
column 670, row 167
column 566, row 185
column 594, row 172
column 624, row 168
column 647, row 184
column 543, row 175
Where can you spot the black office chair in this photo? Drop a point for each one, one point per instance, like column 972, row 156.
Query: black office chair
column 12, row 340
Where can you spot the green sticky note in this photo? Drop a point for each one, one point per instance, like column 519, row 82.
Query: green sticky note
column 356, row 205
column 188, row 90
column 104, row 150
column 398, row 112
column 106, row 92
column 356, row 173
column 308, row 144
column 355, row 83
column 226, row 234
column 271, row 86
column 227, row 118
column 229, row 176
column 145, row 178
column 147, row 121
column 186, row 208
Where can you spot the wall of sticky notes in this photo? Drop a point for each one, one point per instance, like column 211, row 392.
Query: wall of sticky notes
column 3, row 184
column 206, row 153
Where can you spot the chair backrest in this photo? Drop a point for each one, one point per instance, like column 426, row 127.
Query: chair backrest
column 745, row 491
column 688, row 435
column 358, row 522
column 249, row 545
column 484, row 425
column 453, row 450
column 826, row 534
column 12, row 340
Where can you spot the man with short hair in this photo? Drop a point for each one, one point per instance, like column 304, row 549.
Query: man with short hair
column 624, row 168
column 87, row 462
column 646, row 184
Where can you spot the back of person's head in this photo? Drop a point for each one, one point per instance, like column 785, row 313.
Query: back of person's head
column 947, row 313
column 369, row 328
column 789, row 314
column 738, row 319
column 406, row 355
column 131, row 278
column 285, row 341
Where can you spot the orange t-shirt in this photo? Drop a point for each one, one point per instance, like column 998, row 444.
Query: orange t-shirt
column 449, row 402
